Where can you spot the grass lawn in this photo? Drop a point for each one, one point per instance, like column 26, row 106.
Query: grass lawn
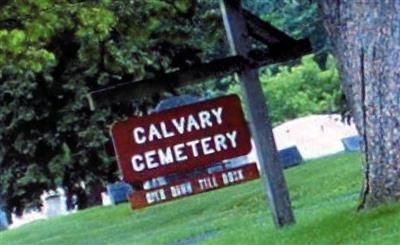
column 324, row 195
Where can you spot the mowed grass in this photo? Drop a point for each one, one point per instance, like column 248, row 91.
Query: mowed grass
column 324, row 195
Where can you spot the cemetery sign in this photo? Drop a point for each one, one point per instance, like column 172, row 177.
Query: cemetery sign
column 180, row 139
column 240, row 25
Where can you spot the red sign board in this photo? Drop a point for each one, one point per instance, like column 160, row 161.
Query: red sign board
column 181, row 139
column 199, row 184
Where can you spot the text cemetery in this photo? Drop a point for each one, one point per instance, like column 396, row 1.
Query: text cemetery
column 176, row 153
column 180, row 152
column 181, row 139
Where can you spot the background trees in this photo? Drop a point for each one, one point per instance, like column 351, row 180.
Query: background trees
column 300, row 90
column 52, row 53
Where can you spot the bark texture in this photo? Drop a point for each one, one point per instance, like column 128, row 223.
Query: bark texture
column 365, row 35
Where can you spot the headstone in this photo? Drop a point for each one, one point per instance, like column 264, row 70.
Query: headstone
column 118, row 192
column 3, row 216
column 175, row 102
column 55, row 206
column 237, row 162
column 215, row 168
column 70, row 201
column 94, row 197
column 105, row 199
column 3, row 220
column 290, row 157
column 352, row 143
column 155, row 182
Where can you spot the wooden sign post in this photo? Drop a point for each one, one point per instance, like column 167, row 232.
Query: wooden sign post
column 240, row 25
column 272, row 170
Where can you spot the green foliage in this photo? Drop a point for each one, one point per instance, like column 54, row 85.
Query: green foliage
column 16, row 54
column 300, row 90
column 324, row 194
column 298, row 18
column 295, row 17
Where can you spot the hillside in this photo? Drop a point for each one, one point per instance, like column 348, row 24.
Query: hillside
column 324, row 194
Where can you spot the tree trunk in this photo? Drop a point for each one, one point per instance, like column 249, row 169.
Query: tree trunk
column 365, row 36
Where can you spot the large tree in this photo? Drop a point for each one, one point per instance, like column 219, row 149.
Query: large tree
column 366, row 40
